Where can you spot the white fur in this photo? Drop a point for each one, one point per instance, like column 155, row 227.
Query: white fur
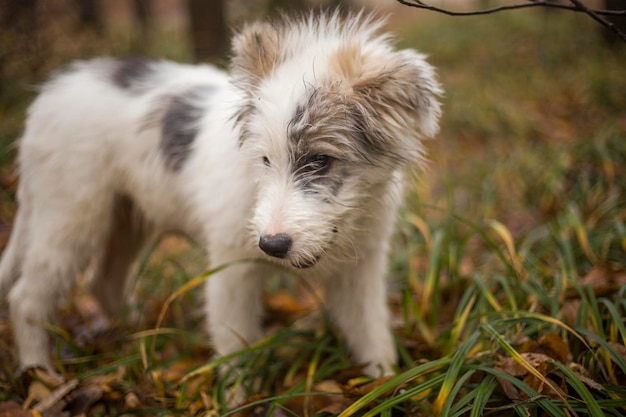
column 88, row 142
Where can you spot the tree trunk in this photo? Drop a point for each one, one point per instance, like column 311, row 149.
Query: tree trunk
column 19, row 36
column 90, row 15
column 142, row 10
column 208, row 29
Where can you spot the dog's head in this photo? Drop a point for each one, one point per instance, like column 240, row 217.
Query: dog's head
column 331, row 112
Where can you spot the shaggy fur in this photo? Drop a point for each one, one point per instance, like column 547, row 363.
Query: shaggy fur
column 295, row 154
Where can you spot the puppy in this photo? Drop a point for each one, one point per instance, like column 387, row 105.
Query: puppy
column 296, row 154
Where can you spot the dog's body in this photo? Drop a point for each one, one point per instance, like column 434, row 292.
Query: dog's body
column 298, row 152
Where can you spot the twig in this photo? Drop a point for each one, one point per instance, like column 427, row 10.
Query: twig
column 56, row 396
column 576, row 6
column 594, row 14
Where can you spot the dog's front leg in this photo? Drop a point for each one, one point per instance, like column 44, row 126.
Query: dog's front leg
column 357, row 302
column 234, row 307
column 234, row 311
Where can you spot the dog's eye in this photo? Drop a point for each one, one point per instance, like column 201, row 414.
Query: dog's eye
column 266, row 161
column 320, row 163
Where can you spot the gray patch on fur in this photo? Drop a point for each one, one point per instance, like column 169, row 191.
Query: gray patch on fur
column 241, row 117
column 130, row 73
column 180, row 125
column 324, row 185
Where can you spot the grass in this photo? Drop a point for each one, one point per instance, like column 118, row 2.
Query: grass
column 507, row 279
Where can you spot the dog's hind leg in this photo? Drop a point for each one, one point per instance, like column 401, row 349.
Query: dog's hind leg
column 13, row 256
column 65, row 235
column 126, row 238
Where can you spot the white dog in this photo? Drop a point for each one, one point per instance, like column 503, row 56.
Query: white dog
column 296, row 154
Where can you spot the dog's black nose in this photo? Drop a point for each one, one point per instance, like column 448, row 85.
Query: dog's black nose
column 276, row 245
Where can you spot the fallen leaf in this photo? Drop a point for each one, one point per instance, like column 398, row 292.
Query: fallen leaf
column 589, row 382
column 511, row 367
column 333, row 402
column 5, row 233
column 9, row 179
column 56, row 396
column 619, row 348
column 509, row 389
column 283, row 307
column 551, row 390
column 13, row 409
column 83, row 399
column 361, row 390
column 553, row 345
column 569, row 311
column 259, row 410
column 36, row 392
column 132, row 401
column 604, row 279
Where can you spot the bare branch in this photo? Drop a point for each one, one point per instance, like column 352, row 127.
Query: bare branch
column 575, row 6
column 595, row 15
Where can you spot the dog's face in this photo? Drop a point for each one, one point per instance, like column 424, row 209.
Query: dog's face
column 330, row 114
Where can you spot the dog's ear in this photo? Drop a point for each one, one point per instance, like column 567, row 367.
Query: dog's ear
column 256, row 51
column 396, row 93
column 406, row 85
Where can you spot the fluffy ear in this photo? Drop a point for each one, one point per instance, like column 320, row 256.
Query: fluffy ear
column 404, row 88
column 256, row 51
column 394, row 97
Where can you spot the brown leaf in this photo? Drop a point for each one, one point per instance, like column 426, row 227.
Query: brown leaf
column 361, row 390
column 511, row 367
column 38, row 374
column 509, row 389
column 553, row 345
column 604, row 279
column 13, row 409
column 5, row 233
column 345, row 375
column 546, row 386
column 334, row 402
column 110, row 382
column 536, row 359
column 176, row 371
column 257, row 411
column 541, row 363
column 619, row 348
column 569, row 311
column 8, row 179
column 132, row 401
column 36, row 392
column 56, row 396
column 283, row 307
column 589, row 382
column 83, row 399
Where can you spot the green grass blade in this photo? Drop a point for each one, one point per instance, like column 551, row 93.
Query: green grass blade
column 535, row 398
column 394, row 383
column 574, row 381
column 606, row 346
column 483, row 394
column 111, row 367
column 618, row 320
column 406, row 395
column 430, row 295
column 452, row 373
column 528, row 367
column 450, row 407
